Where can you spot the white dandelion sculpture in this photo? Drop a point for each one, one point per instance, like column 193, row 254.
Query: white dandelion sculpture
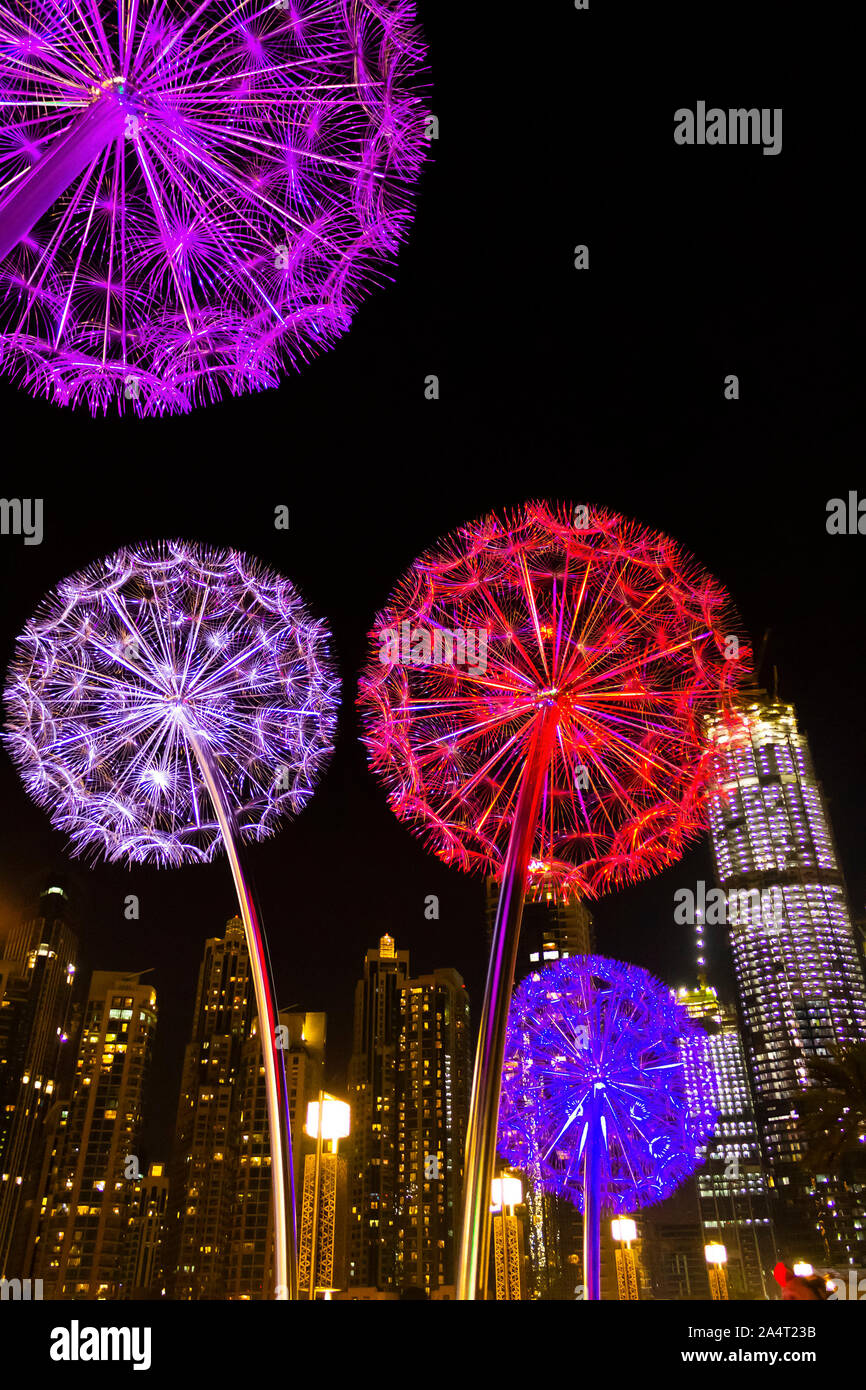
column 168, row 701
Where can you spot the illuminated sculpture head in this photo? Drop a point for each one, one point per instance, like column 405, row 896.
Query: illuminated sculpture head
column 128, row 662
column 588, row 1028
column 580, row 609
column 197, row 193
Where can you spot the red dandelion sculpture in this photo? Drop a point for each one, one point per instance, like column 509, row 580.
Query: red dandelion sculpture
column 533, row 703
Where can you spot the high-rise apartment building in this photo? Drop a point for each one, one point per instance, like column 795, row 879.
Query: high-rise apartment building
column 37, row 973
column 409, row 1082
column 798, row 968
column 205, row 1163
column 89, row 1206
column 433, row 1081
column 148, row 1233
column 373, row 1098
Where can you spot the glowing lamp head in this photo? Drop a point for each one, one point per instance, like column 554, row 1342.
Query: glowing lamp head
column 336, row 1117
column 623, row 1228
column 715, row 1254
column 505, row 1192
column 803, row 1269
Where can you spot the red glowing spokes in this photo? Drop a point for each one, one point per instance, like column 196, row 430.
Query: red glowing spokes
column 613, row 624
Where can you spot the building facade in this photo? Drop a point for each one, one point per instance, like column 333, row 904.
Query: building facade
column 409, row 1083
column 148, row 1233
column 205, row 1162
column 372, row 1090
column 88, row 1211
column 37, row 974
column 798, row 968
column 733, row 1193
column 433, row 1082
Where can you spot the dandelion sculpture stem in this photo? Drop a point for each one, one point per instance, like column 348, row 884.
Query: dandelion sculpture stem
column 484, row 1105
column 167, row 702
column 567, row 756
column 40, row 189
column 607, row 1090
column 594, row 1144
column 276, row 1086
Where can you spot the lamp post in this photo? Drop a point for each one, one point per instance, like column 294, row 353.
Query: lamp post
column 717, row 1257
column 506, row 1193
column 328, row 1121
column 624, row 1230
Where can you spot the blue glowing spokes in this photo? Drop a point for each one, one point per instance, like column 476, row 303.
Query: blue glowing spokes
column 589, row 1027
column 126, row 659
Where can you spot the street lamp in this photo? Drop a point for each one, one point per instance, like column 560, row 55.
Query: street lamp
column 325, row 1183
column 624, row 1230
column 506, row 1193
column 336, row 1119
column 717, row 1257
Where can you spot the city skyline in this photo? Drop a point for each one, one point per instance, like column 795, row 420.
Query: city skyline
column 773, row 823
column 667, row 952
column 582, row 308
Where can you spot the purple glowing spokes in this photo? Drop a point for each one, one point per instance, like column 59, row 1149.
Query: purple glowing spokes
column 587, row 1021
column 245, row 172
column 129, row 658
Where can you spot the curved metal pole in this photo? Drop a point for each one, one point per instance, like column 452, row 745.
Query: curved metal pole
column 39, row 189
column 279, row 1113
column 487, row 1079
column 592, row 1202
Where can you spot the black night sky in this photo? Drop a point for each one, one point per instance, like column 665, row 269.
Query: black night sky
column 603, row 386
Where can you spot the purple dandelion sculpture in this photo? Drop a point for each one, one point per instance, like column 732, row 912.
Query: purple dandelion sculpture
column 606, row 1091
column 164, row 703
column 195, row 197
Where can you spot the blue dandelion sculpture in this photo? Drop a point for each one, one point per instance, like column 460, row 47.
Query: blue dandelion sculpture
column 606, row 1090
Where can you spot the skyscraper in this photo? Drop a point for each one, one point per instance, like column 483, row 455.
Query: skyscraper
column 89, row 1205
column 37, row 974
column 799, row 973
column 204, row 1176
column 372, row 1096
column 148, row 1232
column 433, row 1084
column 409, row 1092
column 733, row 1195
